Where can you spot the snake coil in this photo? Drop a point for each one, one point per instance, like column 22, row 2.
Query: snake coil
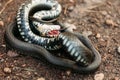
column 37, row 42
column 28, row 9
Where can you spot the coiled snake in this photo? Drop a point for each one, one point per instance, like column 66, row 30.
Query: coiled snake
column 38, row 38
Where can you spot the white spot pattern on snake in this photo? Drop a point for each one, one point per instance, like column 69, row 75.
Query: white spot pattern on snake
column 22, row 33
column 65, row 41
column 68, row 43
column 73, row 51
column 78, row 58
column 82, row 60
column 70, row 47
column 76, row 54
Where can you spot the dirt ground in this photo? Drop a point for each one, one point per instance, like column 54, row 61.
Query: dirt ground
column 100, row 20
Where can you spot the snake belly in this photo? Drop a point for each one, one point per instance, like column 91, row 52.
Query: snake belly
column 51, row 9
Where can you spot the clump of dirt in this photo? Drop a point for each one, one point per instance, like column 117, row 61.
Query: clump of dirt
column 101, row 19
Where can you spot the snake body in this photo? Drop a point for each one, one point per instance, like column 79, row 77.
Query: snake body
column 37, row 42
column 81, row 54
column 29, row 9
column 11, row 38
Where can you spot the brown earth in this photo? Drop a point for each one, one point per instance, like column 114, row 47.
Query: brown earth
column 101, row 19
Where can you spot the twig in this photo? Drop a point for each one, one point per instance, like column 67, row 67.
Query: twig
column 26, row 69
column 5, row 6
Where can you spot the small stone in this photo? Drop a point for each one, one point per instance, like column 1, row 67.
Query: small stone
column 69, row 21
column 72, row 1
column 118, row 49
column 29, row 73
column 24, row 65
column 116, row 78
column 87, row 33
column 1, row 23
column 98, row 35
column 110, row 22
column 2, row 60
column 68, row 72
column 7, row 70
column 63, row 77
column 12, row 54
column 41, row 78
column 99, row 76
column 3, row 45
column 104, row 13
column 70, row 8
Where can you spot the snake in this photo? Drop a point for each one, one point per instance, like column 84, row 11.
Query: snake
column 77, row 45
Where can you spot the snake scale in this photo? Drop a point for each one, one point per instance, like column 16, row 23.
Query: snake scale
column 38, row 37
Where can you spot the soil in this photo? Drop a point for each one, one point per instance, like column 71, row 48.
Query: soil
column 101, row 19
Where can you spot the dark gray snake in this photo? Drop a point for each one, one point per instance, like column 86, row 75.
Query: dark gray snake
column 78, row 46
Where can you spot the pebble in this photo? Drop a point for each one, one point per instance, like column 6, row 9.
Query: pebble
column 3, row 45
column 63, row 77
column 116, row 78
column 98, row 35
column 68, row 72
column 104, row 13
column 12, row 54
column 24, row 65
column 1, row 23
column 69, row 20
column 70, row 8
column 7, row 70
column 72, row 1
column 110, row 22
column 2, row 60
column 41, row 78
column 118, row 50
column 99, row 76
